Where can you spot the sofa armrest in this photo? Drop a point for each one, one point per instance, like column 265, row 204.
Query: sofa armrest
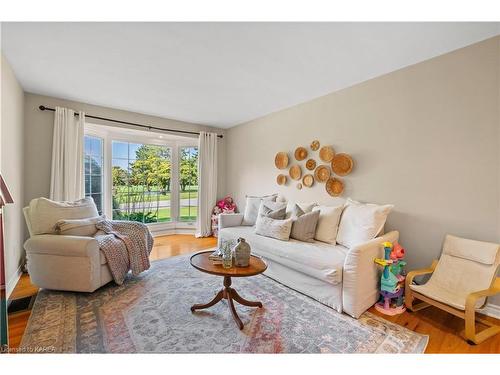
column 361, row 275
column 70, row 246
column 230, row 220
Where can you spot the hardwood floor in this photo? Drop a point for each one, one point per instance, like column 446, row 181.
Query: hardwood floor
column 441, row 327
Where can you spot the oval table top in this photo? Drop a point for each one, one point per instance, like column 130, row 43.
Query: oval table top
column 201, row 262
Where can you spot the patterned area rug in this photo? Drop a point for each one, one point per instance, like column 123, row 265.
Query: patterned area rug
column 151, row 313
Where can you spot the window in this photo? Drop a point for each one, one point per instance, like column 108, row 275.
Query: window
column 188, row 183
column 141, row 179
column 93, row 165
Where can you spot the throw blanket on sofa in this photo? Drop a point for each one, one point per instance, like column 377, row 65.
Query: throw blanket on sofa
column 126, row 246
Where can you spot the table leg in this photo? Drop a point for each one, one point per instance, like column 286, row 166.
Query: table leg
column 243, row 301
column 216, row 299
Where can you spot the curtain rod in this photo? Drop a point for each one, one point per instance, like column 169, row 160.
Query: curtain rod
column 44, row 108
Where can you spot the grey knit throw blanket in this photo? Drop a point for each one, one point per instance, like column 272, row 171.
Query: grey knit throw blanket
column 126, row 246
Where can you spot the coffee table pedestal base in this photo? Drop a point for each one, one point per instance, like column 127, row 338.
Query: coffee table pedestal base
column 230, row 295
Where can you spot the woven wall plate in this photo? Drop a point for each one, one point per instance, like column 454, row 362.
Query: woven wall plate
column 315, row 145
column 311, row 164
column 300, row 153
column 342, row 164
column 326, row 153
column 322, row 173
column 281, row 160
column 308, row 180
column 295, row 172
column 299, row 186
column 281, row 179
column 334, row 187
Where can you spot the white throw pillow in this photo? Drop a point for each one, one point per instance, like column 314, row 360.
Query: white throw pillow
column 361, row 222
column 274, row 210
column 252, row 208
column 305, row 207
column 79, row 227
column 278, row 229
column 45, row 213
column 328, row 223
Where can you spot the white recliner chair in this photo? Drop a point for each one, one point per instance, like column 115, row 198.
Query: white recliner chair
column 61, row 261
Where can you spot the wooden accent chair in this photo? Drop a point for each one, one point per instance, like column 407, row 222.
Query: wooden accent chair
column 462, row 280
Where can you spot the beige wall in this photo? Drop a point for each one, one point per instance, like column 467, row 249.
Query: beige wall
column 11, row 166
column 38, row 139
column 425, row 138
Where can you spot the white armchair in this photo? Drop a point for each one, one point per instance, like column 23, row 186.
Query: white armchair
column 63, row 262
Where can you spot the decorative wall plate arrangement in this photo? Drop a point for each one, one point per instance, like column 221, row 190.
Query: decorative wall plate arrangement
column 342, row 164
column 334, row 187
column 281, row 179
column 326, row 154
column 295, row 172
column 308, row 180
column 300, row 153
column 281, row 160
column 322, row 173
column 315, row 145
column 311, row 164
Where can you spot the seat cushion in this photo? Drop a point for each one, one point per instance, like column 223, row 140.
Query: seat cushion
column 316, row 259
column 446, row 296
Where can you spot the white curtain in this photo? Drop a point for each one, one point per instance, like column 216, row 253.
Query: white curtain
column 207, row 182
column 67, row 180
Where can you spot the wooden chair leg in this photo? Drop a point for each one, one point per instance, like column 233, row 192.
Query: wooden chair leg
column 470, row 327
column 410, row 300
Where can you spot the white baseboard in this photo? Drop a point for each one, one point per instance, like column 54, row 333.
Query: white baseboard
column 11, row 284
column 491, row 310
column 170, row 231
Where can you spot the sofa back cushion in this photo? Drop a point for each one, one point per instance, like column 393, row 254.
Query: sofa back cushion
column 328, row 223
column 274, row 210
column 252, row 207
column 278, row 229
column 305, row 207
column 304, row 226
column 361, row 222
column 45, row 213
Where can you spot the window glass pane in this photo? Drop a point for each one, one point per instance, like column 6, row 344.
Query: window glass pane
column 120, row 150
column 93, row 162
column 141, row 183
column 188, row 181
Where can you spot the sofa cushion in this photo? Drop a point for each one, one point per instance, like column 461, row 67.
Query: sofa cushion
column 361, row 222
column 274, row 210
column 305, row 207
column 304, row 226
column 328, row 223
column 252, row 207
column 316, row 259
column 278, row 229
column 45, row 213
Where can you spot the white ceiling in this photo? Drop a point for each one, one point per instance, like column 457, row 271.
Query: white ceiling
column 219, row 74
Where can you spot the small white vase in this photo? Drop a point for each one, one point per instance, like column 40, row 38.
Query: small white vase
column 241, row 253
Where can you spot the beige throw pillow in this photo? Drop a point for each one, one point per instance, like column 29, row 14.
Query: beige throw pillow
column 78, row 227
column 328, row 223
column 278, row 229
column 252, row 208
column 274, row 210
column 304, row 226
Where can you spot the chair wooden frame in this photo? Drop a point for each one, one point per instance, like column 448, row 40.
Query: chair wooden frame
column 469, row 314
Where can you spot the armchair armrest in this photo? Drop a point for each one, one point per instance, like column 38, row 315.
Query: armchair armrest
column 70, row 246
column 471, row 300
column 423, row 271
column 230, row 220
column 361, row 275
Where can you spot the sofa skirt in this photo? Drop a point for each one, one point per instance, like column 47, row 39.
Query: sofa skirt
column 327, row 294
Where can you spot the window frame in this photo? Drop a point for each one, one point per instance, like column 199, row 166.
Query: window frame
column 109, row 134
column 179, row 151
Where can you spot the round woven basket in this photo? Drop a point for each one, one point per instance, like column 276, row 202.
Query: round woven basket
column 308, row 180
column 311, row 164
column 295, row 172
column 342, row 164
column 299, row 186
column 315, row 145
column 281, row 179
column 300, row 153
column 326, row 153
column 281, row 160
column 322, row 173
column 334, row 187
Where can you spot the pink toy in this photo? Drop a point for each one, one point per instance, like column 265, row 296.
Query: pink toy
column 398, row 252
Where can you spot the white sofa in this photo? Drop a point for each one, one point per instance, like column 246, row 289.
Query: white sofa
column 344, row 279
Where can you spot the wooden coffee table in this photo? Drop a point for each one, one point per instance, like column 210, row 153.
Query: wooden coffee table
column 201, row 262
